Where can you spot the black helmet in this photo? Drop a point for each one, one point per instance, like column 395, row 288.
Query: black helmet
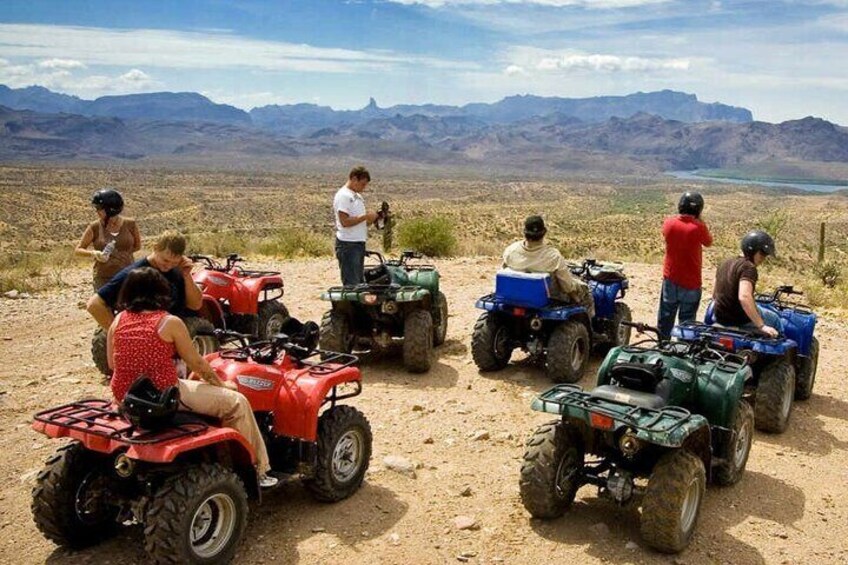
column 534, row 228
column 757, row 240
column 148, row 408
column 109, row 200
column 691, row 203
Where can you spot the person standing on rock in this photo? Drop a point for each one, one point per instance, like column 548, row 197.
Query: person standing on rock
column 113, row 238
column 535, row 255
column 352, row 221
column 685, row 237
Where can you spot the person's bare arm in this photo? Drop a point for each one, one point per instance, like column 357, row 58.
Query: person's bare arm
column 174, row 330
column 86, row 240
column 100, row 311
column 136, row 237
column 749, row 305
column 193, row 294
column 349, row 221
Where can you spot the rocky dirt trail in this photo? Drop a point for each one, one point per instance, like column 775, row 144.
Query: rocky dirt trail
column 463, row 432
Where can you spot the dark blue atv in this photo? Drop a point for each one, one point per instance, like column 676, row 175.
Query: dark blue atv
column 784, row 367
column 522, row 314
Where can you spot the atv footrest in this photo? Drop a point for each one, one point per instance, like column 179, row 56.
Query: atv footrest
column 559, row 399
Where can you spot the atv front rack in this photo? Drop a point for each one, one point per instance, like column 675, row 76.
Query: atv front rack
column 98, row 417
column 649, row 420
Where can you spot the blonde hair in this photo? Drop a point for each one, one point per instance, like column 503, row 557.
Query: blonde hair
column 172, row 241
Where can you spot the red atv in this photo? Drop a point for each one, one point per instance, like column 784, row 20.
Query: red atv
column 240, row 300
column 188, row 481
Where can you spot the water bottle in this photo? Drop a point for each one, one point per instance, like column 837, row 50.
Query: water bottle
column 108, row 249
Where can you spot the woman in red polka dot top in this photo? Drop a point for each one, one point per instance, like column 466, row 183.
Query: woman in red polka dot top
column 144, row 339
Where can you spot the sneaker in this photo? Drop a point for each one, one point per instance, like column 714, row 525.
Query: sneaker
column 267, row 481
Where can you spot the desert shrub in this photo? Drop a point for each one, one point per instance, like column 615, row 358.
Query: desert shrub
column 219, row 244
column 774, row 223
column 431, row 236
column 296, row 242
column 829, row 273
column 30, row 271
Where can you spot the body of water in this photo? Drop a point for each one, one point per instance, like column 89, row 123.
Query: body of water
column 693, row 175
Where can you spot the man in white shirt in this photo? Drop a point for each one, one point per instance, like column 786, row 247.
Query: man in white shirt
column 352, row 222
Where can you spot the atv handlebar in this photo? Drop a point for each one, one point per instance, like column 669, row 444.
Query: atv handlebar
column 643, row 328
column 212, row 264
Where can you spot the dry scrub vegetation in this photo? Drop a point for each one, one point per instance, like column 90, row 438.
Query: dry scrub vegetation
column 44, row 210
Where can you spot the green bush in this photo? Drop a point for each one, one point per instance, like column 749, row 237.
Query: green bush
column 296, row 242
column 431, row 236
column 829, row 273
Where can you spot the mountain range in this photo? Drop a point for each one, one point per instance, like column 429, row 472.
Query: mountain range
column 642, row 132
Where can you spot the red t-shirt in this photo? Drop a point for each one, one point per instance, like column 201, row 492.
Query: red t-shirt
column 138, row 350
column 684, row 236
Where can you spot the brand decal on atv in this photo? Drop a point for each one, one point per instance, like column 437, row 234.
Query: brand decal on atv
column 255, row 383
column 218, row 280
column 681, row 375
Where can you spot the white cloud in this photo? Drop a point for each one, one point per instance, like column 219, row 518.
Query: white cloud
column 514, row 70
column 66, row 64
column 135, row 76
column 589, row 4
column 610, row 63
column 198, row 50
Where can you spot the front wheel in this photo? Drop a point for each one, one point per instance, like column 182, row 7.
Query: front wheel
column 70, row 499
column 197, row 516
column 736, row 458
column 490, row 346
column 620, row 333
column 417, row 341
column 806, row 372
column 672, row 501
column 567, row 352
column 440, row 319
column 271, row 317
column 773, row 399
column 344, row 452
column 334, row 334
column 552, row 470
column 202, row 335
column 98, row 352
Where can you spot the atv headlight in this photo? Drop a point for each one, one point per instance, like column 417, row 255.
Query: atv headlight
column 369, row 299
column 629, row 444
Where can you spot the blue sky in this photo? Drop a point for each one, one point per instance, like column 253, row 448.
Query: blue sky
column 783, row 59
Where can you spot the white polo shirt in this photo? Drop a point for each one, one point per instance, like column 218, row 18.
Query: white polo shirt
column 352, row 204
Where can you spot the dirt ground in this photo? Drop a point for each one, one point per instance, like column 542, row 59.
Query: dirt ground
column 790, row 507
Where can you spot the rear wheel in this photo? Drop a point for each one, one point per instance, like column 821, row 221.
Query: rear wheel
column 197, row 516
column 736, row 458
column 271, row 317
column 567, row 352
column 417, row 341
column 344, row 451
column 98, row 352
column 805, row 376
column 672, row 501
column 70, row 499
column 490, row 347
column 201, row 331
column 440, row 319
column 773, row 399
column 334, row 333
column 552, row 469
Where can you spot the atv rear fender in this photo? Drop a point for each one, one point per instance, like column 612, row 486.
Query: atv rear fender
column 212, row 311
column 670, row 426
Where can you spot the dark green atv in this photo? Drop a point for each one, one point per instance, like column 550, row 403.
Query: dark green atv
column 664, row 418
column 400, row 301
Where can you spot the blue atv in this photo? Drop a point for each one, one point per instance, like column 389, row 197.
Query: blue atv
column 784, row 367
column 522, row 314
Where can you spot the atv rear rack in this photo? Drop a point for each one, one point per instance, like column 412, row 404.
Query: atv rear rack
column 572, row 395
column 99, row 418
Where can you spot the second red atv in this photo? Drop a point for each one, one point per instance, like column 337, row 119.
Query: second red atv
column 188, row 480
column 238, row 299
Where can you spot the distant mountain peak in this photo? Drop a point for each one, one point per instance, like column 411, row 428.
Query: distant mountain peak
column 372, row 105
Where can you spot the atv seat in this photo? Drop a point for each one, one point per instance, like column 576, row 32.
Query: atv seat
column 378, row 274
column 628, row 396
column 643, row 377
column 185, row 417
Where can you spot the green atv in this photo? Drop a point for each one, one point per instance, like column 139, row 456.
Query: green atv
column 399, row 301
column 664, row 418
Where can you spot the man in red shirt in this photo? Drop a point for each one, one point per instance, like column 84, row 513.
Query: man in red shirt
column 685, row 235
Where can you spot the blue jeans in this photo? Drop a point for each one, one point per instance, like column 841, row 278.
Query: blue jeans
column 351, row 256
column 676, row 302
column 770, row 318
